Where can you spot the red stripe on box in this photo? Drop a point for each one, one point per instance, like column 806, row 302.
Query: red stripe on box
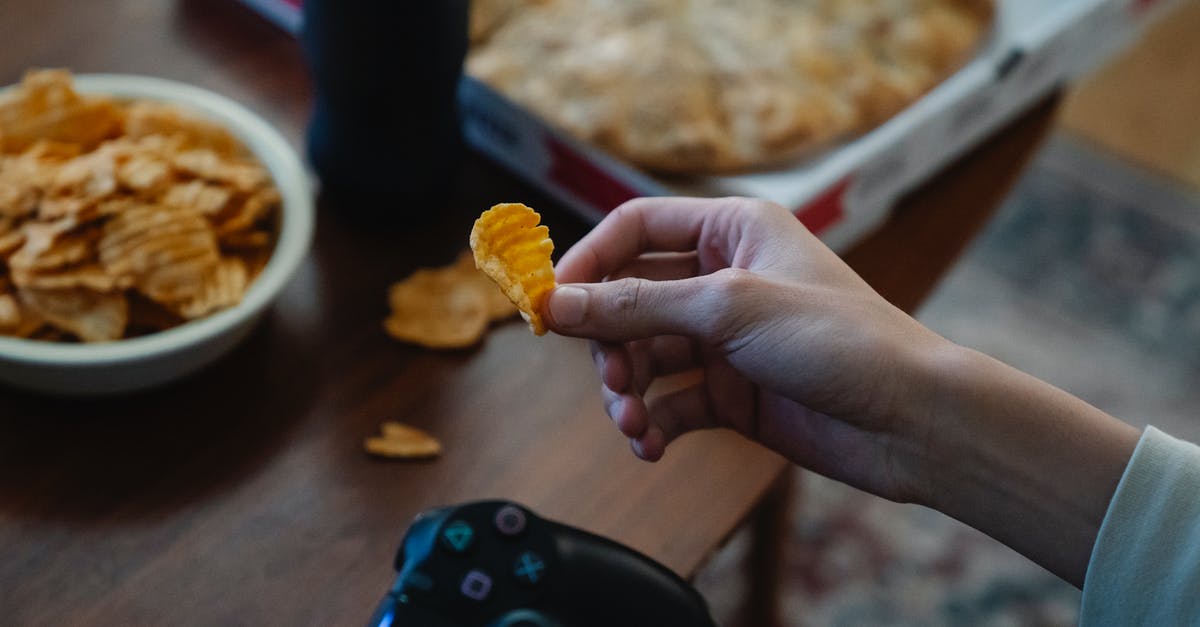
column 295, row 3
column 581, row 177
column 825, row 210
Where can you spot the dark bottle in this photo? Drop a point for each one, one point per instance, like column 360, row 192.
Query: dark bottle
column 384, row 136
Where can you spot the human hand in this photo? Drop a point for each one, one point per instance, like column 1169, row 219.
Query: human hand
column 797, row 352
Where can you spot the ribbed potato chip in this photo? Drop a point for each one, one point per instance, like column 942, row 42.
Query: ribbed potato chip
column 498, row 305
column 167, row 252
column 432, row 309
column 89, row 276
column 50, row 245
column 144, row 175
column 90, row 316
column 514, row 251
column 208, row 165
column 46, row 106
column 223, row 287
column 248, row 213
column 198, row 196
column 155, row 119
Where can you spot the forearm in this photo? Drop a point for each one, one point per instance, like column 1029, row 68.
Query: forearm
column 1021, row 460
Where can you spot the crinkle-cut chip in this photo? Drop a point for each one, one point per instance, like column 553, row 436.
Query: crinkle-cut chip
column 73, row 249
column 156, row 147
column 145, row 175
column 25, row 178
column 498, row 305
column 38, row 239
column 90, row 316
column 82, row 210
column 157, row 119
column 206, row 164
column 198, row 196
column 92, row 175
column 430, row 311
column 255, row 208
column 223, row 288
column 46, row 106
column 90, row 276
column 401, row 441
column 168, row 252
column 514, row 251
column 81, row 184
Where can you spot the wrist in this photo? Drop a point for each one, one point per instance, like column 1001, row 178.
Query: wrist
column 1018, row 458
column 922, row 446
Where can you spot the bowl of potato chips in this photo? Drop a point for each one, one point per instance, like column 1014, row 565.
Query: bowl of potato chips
column 146, row 225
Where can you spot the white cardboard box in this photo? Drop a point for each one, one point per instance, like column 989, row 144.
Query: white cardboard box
column 843, row 194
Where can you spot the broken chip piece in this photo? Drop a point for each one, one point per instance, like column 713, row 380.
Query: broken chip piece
column 434, row 309
column 401, row 441
column 446, row 307
column 512, row 249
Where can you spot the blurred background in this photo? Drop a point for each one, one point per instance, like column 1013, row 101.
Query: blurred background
column 1089, row 277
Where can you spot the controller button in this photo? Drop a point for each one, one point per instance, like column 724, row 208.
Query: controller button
column 457, row 537
column 476, row 585
column 510, row 520
column 529, row 569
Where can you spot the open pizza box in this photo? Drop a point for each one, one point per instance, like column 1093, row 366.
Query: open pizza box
column 843, row 193
column 847, row 191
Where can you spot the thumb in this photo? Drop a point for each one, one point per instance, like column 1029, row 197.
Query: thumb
column 628, row 309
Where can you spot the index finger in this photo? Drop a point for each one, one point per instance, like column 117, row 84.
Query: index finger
column 652, row 224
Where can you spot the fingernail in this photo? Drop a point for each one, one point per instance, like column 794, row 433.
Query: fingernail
column 568, row 305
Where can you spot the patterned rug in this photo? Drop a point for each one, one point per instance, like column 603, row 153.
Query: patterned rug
column 1088, row 277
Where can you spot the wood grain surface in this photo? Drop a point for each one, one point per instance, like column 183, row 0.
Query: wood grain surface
column 241, row 495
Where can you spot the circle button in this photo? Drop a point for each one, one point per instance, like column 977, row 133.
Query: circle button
column 510, row 521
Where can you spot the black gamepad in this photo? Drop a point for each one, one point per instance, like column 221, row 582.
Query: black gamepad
column 497, row 564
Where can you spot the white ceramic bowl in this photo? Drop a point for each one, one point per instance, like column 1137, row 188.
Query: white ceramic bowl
column 137, row 363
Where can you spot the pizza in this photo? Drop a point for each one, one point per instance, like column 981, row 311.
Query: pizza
column 719, row 86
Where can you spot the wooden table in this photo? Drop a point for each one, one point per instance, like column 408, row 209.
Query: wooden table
column 242, row 496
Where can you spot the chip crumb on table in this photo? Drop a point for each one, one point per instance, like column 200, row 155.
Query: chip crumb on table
column 122, row 218
column 401, row 441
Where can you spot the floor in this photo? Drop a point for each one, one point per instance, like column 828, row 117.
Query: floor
column 1088, row 277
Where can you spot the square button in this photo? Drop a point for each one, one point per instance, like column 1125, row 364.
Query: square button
column 476, row 585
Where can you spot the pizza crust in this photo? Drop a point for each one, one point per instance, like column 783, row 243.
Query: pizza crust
column 717, row 86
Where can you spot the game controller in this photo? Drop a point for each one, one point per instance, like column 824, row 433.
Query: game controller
column 497, row 564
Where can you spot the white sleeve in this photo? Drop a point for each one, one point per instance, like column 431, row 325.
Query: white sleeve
column 1145, row 566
